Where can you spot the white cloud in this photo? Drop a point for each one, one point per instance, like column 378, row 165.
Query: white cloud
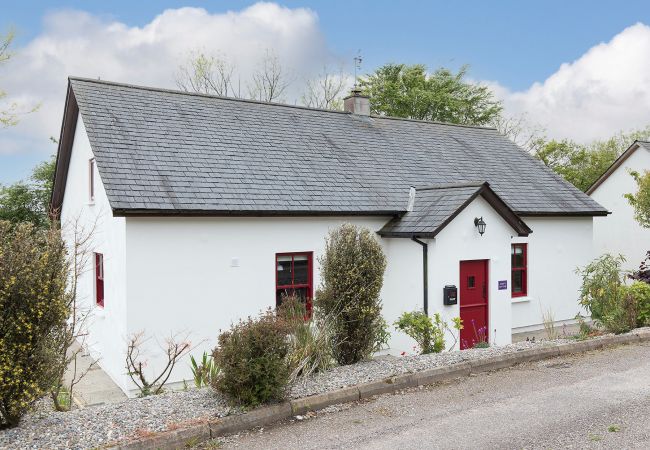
column 604, row 91
column 80, row 44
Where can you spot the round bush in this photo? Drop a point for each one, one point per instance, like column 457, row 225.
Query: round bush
column 252, row 358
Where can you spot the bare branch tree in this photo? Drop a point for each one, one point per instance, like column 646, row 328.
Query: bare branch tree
column 206, row 74
column 325, row 91
column 174, row 349
column 519, row 130
column 269, row 81
column 75, row 332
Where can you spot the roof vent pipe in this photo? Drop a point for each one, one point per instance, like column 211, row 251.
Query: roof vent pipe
column 357, row 103
column 409, row 205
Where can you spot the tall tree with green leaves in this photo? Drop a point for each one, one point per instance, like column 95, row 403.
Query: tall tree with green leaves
column 410, row 91
column 640, row 200
column 582, row 164
column 28, row 201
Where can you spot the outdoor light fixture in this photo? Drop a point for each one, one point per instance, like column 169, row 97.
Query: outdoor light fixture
column 480, row 224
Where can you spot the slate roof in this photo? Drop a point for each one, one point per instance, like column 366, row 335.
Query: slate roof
column 436, row 206
column 169, row 152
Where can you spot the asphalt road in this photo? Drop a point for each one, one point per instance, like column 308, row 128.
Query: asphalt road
column 599, row 399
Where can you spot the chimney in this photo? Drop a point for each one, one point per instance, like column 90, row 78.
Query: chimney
column 356, row 103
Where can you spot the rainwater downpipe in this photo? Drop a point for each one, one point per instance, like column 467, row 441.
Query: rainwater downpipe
column 425, row 272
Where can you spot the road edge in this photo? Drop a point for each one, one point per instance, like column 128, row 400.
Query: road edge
column 267, row 415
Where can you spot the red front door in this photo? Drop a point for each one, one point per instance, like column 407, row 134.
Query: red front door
column 473, row 303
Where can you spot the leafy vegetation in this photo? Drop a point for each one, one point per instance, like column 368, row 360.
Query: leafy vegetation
column 582, row 164
column 640, row 200
column 428, row 333
column 252, row 357
column 352, row 274
column 643, row 273
column 411, row 91
column 205, row 372
column 33, row 313
column 615, row 306
column 312, row 340
column 29, row 201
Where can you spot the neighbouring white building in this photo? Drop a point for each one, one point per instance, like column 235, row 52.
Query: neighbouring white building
column 620, row 233
column 206, row 209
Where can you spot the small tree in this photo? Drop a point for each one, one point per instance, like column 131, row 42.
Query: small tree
column 33, row 313
column 352, row 273
column 270, row 80
column 640, row 201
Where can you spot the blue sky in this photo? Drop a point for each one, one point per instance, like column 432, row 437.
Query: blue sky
column 512, row 43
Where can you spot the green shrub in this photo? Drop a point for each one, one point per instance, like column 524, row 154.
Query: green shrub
column 33, row 313
column 352, row 272
column 640, row 297
column 252, row 358
column 420, row 328
column 601, row 284
column 312, row 340
column 618, row 308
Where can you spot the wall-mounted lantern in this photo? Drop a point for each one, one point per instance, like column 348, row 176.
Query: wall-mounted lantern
column 480, row 224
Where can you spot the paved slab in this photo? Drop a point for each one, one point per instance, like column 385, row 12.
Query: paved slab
column 96, row 387
column 600, row 399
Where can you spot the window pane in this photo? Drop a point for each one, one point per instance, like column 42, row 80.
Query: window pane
column 517, row 281
column 517, row 256
column 300, row 269
column 471, row 281
column 283, row 269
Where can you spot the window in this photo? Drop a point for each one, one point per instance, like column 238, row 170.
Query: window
column 293, row 275
column 519, row 264
column 99, row 279
column 91, row 179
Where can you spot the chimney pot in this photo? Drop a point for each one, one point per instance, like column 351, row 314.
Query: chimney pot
column 357, row 103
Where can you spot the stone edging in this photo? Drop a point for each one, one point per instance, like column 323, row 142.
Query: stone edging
column 268, row 415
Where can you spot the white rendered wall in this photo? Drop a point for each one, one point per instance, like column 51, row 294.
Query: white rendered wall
column 105, row 326
column 460, row 241
column 181, row 277
column 557, row 246
column 619, row 233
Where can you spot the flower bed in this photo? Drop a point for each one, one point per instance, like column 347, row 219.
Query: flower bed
column 136, row 418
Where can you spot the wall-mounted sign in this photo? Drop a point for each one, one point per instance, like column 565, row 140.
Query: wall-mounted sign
column 503, row 285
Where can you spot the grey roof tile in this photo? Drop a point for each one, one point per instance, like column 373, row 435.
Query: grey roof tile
column 186, row 152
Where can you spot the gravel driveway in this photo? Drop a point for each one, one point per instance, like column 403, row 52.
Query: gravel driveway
column 600, row 399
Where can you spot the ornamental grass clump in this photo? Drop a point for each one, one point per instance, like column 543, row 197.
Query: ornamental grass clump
column 352, row 274
column 312, row 339
column 252, row 357
column 33, row 313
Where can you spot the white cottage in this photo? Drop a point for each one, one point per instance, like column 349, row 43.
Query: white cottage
column 209, row 208
column 620, row 233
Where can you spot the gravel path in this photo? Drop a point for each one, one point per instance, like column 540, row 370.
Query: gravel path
column 99, row 425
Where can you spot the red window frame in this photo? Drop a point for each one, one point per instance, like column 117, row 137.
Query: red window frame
column 91, row 179
column 99, row 279
column 286, row 287
column 523, row 269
